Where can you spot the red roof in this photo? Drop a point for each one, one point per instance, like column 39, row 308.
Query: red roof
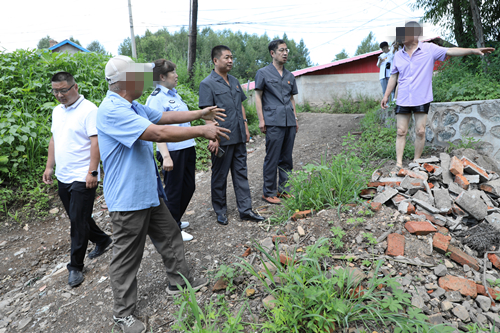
column 329, row 65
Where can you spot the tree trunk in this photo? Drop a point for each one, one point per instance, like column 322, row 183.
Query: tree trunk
column 193, row 30
column 478, row 27
column 458, row 27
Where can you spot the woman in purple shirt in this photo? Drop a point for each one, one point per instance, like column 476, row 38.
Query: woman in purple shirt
column 412, row 70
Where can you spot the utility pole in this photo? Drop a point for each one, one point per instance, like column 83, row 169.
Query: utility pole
column 132, row 36
column 193, row 30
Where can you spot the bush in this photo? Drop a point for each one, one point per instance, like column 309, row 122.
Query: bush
column 343, row 104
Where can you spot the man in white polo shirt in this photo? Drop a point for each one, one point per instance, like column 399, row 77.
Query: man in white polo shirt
column 74, row 149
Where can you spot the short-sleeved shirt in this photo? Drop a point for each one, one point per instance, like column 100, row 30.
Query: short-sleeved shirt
column 71, row 129
column 215, row 91
column 415, row 73
column 277, row 92
column 164, row 99
column 130, row 181
column 384, row 72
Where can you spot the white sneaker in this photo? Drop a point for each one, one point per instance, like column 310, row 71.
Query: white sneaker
column 186, row 237
column 184, row 225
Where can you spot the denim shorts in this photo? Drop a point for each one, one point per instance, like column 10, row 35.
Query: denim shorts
column 415, row 109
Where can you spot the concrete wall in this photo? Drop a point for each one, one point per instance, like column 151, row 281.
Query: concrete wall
column 455, row 121
column 67, row 48
column 323, row 89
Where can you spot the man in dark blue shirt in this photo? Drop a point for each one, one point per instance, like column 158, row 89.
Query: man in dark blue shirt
column 224, row 90
column 274, row 90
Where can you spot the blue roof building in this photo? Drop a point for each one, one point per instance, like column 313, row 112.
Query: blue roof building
column 67, row 46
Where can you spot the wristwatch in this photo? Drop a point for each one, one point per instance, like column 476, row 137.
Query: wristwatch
column 93, row 173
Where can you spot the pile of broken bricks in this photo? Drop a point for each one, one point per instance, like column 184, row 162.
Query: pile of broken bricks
column 457, row 201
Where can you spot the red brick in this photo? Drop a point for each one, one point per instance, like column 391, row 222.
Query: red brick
column 301, row 215
column 440, row 242
column 481, row 290
column 412, row 174
column 397, row 199
column 477, row 169
column 453, row 283
column 487, row 188
column 456, row 166
column 279, row 238
column 442, row 230
column 411, row 208
column 495, row 260
column 462, row 258
column 285, row 260
column 431, row 185
column 419, row 227
column 247, row 252
column 390, row 184
column 368, row 192
column 462, row 181
column 375, row 206
column 429, row 167
column 395, row 245
column 458, row 211
column 427, row 216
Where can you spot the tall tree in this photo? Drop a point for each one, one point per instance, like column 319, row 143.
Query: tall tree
column 96, row 47
column 76, row 41
column 341, row 55
column 369, row 44
column 44, row 43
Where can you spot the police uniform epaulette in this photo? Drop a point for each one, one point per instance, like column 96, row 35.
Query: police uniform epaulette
column 156, row 92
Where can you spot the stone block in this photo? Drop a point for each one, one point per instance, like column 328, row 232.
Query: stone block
column 413, row 174
column 458, row 211
column 395, row 245
column 464, row 286
column 494, row 220
column 492, row 187
column 421, row 195
column 472, row 179
column 427, row 215
column 440, row 270
column 432, row 159
column 442, row 200
column 462, row 258
column 397, row 199
column 386, row 195
column 461, row 181
column 472, row 204
column 461, row 313
column 495, row 260
column 456, row 166
column 454, row 188
column 483, row 302
column 440, row 242
column 474, row 169
column 419, row 227
column 445, row 165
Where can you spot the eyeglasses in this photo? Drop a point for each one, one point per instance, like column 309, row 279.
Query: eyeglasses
column 283, row 50
column 62, row 91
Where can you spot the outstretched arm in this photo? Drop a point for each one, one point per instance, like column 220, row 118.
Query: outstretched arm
column 459, row 51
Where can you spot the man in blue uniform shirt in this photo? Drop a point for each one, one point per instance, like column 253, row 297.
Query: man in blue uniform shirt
column 132, row 186
column 224, row 91
column 274, row 90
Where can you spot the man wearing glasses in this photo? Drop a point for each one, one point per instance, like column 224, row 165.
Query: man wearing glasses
column 274, row 90
column 74, row 149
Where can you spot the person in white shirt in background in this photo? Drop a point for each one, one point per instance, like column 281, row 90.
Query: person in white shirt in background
column 384, row 63
column 74, row 150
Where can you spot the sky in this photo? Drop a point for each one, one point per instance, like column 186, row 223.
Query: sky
column 326, row 26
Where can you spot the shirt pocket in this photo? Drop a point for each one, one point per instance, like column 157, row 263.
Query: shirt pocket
column 222, row 98
column 272, row 82
column 269, row 113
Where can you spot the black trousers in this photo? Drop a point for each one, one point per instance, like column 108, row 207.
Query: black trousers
column 180, row 182
column 279, row 149
column 78, row 202
column 235, row 158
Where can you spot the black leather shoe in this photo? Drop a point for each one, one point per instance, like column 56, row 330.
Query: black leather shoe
column 75, row 278
column 222, row 219
column 100, row 249
column 252, row 217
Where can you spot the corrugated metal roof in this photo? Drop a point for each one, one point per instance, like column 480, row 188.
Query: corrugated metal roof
column 331, row 64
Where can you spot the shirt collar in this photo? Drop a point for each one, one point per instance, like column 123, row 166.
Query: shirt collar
column 74, row 105
column 419, row 46
column 172, row 92
column 120, row 100
column 218, row 77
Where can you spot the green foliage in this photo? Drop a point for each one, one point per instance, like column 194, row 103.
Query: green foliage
column 368, row 44
column 250, row 51
column 96, row 47
column 44, row 42
column 312, row 299
column 343, row 104
column 469, row 142
column 468, row 78
column 338, row 233
column 341, row 55
column 370, row 238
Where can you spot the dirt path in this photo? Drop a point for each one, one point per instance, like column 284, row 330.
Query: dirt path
column 35, row 297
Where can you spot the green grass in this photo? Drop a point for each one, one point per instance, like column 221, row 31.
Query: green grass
column 343, row 104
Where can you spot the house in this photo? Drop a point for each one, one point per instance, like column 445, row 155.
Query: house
column 356, row 76
column 66, row 46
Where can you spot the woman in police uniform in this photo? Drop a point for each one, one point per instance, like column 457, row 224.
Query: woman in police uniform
column 179, row 158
